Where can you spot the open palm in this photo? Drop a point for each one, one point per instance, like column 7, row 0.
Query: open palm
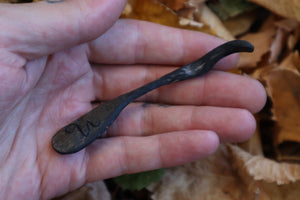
column 52, row 67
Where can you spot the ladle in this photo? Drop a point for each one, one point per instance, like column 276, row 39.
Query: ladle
column 83, row 131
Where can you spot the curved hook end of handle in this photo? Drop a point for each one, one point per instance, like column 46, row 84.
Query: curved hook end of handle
column 240, row 45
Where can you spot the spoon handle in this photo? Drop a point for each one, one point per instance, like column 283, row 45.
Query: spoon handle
column 83, row 131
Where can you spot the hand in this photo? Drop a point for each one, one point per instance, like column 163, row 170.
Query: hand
column 55, row 59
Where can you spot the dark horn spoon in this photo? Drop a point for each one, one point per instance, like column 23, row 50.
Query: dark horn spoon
column 83, row 131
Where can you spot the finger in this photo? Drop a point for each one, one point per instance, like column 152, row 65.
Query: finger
column 134, row 154
column 215, row 89
column 132, row 41
column 231, row 124
column 42, row 28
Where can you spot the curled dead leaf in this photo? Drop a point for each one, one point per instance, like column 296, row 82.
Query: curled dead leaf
column 275, row 36
column 174, row 4
column 283, row 86
column 240, row 24
column 263, row 169
column 212, row 178
column 262, row 42
column 289, row 9
column 287, row 35
column 205, row 15
column 157, row 12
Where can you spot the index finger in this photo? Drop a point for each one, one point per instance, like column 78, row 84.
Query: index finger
column 140, row 42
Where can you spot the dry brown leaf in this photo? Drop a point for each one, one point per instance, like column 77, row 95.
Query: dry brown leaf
column 291, row 62
column 283, row 192
column 150, row 10
column 195, row 16
column 155, row 11
column 262, row 42
column 174, row 4
column 283, row 86
column 213, row 178
column 293, row 28
column 196, row 10
column 275, row 36
column 287, row 24
column 253, row 145
column 240, row 24
column 230, row 174
column 205, row 15
column 263, row 169
column 289, row 9
column 256, row 167
column 277, row 45
column 293, row 38
column 287, row 36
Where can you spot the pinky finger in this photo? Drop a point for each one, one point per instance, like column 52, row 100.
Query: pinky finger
column 121, row 155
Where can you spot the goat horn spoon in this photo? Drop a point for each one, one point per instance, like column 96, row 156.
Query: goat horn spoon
column 83, row 131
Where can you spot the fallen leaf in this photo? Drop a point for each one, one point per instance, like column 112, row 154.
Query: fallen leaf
column 262, row 42
column 212, row 178
column 275, row 37
column 196, row 10
column 205, row 15
column 286, row 36
column 291, row 63
column 287, row 24
column 263, row 169
column 150, row 10
column 155, row 11
column 289, row 9
column 240, row 24
column 253, row 145
column 275, row 180
column 283, row 87
column 174, row 4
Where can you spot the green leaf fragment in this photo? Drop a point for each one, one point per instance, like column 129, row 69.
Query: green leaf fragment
column 139, row 181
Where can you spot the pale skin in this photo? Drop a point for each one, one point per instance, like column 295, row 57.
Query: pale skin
column 55, row 59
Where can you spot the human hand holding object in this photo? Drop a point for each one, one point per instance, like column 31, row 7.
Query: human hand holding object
column 55, row 66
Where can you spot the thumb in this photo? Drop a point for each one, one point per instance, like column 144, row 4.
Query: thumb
column 38, row 29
